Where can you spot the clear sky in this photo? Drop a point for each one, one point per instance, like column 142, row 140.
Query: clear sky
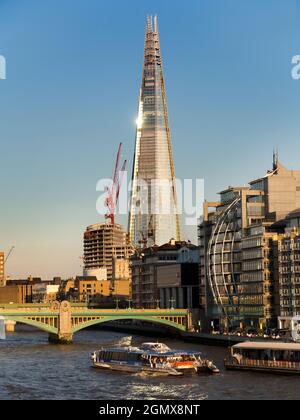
column 73, row 75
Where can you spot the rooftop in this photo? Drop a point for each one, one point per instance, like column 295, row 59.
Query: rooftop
column 170, row 246
column 86, row 278
column 267, row 345
column 293, row 214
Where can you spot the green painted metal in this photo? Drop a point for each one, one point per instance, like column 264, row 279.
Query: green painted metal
column 26, row 314
column 130, row 313
column 19, row 314
column 117, row 318
column 39, row 325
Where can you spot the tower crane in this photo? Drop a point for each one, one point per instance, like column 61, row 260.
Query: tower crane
column 145, row 236
column 5, row 261
column 9, row 254
column 114, row 192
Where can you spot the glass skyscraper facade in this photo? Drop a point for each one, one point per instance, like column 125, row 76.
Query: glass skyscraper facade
column 153, row 215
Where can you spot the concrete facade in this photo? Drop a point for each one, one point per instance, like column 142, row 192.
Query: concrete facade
column 99, row 273
column 289, row 268
column 21, row 293
column 179, row 286
column 162, row 262
column 103, row 243
column 91, row 290
column 258, row 288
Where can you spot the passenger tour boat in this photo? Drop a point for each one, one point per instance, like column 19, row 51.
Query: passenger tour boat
column 271, row 357
column 152, row 358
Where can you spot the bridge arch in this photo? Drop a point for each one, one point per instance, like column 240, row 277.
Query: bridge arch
column 155, row 320
column 62, row 320
column 37, row 324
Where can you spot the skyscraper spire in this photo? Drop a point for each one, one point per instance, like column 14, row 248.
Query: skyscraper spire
column 155, row 24
column 153, row 215
column 149, row 28
column 275, row 158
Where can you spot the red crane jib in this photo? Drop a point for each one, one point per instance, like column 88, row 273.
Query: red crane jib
column 114, row 191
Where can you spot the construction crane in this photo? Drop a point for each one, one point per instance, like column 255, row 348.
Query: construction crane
column 149, row 233
column 7, row 257
column 82, row 259
column 114, row 192
column 143, row 241
column 9, row 254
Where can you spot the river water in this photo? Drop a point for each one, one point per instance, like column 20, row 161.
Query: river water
column 30, row 368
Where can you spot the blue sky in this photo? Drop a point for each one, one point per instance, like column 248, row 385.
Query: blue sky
column 73, row 75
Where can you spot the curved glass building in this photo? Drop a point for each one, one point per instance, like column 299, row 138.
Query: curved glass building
column 238, row 239
column 223, row 254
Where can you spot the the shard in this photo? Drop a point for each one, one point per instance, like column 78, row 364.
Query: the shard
column 154, row 218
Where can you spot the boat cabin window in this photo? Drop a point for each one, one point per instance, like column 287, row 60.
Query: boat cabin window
column 118, row 356
column 268, row 354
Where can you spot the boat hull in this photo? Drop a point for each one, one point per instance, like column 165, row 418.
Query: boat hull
column 262, row 369
column 155, row 371
column 136, row 369
column 205, row 369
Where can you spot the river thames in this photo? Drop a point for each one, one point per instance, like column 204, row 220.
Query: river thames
column 33, row 369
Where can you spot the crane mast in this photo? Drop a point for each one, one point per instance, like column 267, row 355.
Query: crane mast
column 9, row 254
column 113, row 193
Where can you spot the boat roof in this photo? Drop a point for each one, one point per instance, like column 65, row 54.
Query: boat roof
column 150, row 352
column 267, row 345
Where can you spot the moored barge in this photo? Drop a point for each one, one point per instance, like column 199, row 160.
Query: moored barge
column 271, row 357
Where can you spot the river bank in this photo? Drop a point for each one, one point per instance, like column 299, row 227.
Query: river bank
column 216, row 340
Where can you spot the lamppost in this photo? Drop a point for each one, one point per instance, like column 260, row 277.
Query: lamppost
column 157, row 301
column 117, row 303
column 129, row 303
column 172, row 301
column 199, row 325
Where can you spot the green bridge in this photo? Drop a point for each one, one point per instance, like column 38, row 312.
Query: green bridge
column 62, row 319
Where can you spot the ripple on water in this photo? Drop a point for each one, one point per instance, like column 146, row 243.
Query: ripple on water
column 33, row 369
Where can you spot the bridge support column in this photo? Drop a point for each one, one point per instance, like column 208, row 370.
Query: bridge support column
column 189, row 321
column 60, row 338
column 64, row 335
column 10, row 326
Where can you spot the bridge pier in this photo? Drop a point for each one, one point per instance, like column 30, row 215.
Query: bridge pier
column 64, row 335
column 60, row 338
column 10, row 326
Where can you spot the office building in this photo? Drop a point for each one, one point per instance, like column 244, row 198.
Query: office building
column 289, row 270
column 160, row 275
column 103, row 244
column 238, row 244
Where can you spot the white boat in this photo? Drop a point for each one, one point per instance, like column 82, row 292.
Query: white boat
column 265, row 356
column 152, row 358
column 125, row 341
